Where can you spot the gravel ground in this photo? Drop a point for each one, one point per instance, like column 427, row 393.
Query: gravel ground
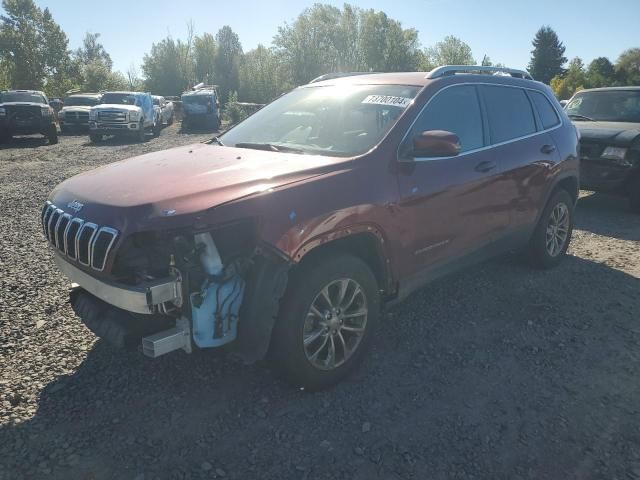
column 497, row 372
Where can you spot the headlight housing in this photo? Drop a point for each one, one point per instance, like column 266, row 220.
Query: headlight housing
column 61, row 114
column 614, row 153
column 134, row 116
column 46, row 112
column 92, row 114
column 3, row 112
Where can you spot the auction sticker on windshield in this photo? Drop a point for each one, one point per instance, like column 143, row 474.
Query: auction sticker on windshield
column 391, row 100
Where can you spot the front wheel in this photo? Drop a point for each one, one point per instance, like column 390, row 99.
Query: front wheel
column 53, row 135
column 156, row 128
column 94, row 138
column 140, row 137
column 552, row 235
column 326, row 321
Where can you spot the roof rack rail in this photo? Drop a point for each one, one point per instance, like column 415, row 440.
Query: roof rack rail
column 331, row 76
column 453, row 69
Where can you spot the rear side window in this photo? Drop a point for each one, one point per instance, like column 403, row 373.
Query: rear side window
column 547, row 113
column 457, row 110
column 509, row 113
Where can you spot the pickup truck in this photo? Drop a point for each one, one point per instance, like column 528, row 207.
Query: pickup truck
column 165, row 109
column 123, row 114
column 74, row 116
column 25, row 112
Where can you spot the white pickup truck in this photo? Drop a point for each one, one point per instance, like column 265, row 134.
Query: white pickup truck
column 124, row 114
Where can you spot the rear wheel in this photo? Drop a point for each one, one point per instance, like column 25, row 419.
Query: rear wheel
column 53, row 135
column 95, row 138
column 326, row 321
column 552, row 235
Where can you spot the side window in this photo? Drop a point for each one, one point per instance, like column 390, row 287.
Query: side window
column 509, row 113
column 548, row 114
column 457, row 110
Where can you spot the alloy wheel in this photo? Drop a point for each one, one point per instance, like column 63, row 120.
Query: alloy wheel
column 335, row 324
column 557, row 229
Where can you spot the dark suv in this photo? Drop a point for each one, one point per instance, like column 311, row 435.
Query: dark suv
column 609, row 123
column 290, row 231
column 25, row 112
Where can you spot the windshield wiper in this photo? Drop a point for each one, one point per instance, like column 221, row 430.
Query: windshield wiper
column 577, row 116
column 215, row 140
column 269, row 147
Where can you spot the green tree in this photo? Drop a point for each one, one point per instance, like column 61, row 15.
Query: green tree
column 450, row 51
column 325, row 39
column 227, row 61
column 93, row 51
column 167, row 67
column 33, row 47
column 261, row 76
column 547, row 56
column 204, row 56
column 600, row 73
column 628, row 67
column 573, row 80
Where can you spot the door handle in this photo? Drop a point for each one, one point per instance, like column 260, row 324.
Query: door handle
column 484, row 167
column 547, row 149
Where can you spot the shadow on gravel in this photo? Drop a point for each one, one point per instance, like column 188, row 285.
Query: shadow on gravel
column 609, row 216
column 498, row 372
column 25, row 142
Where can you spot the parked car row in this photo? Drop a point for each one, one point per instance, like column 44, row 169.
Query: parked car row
column 132, row 114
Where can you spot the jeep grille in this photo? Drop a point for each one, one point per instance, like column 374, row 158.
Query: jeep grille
column 85, row 242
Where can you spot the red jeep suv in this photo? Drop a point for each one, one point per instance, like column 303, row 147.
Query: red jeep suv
column 287, row 234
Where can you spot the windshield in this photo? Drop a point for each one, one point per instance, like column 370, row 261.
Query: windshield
column 119, row 99
column 156, row 100
column 80, row 101
column 21, row 97
column 337, row 120
column 199, row 99
column 606, row 105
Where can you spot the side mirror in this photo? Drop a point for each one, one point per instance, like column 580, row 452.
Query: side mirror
column 435, row 143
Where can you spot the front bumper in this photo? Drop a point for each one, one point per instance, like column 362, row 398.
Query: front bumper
column 27, row 127
column 146, row 298
column 604, row 175
column 103, row 128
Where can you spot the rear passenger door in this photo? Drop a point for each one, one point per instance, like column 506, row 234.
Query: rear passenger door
column 525, row 148
column 450, row 205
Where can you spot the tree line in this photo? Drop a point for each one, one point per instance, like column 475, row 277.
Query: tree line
column 548, row 61
column 34, row 53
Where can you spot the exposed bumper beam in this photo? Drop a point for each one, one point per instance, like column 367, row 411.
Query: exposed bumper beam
column 143, row 298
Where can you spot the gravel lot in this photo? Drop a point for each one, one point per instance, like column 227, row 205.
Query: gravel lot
column 497, row 372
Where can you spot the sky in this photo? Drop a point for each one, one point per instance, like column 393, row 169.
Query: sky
column 502, row 29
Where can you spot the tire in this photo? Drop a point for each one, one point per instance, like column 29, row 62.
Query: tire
column 140, row 136
column 95, row 138
column 53, row 135
column 156, row 128
column 545, row 252
column 310, row 366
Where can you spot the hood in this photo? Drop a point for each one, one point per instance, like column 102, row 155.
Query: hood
column 186, row 179
column 620, row 134
column 116, row 106
column 23, row 104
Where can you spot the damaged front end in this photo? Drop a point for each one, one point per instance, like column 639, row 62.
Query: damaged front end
column 176, row 290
